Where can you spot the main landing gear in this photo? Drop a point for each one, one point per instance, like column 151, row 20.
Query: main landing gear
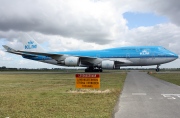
column 157, row 68
column 93, row 69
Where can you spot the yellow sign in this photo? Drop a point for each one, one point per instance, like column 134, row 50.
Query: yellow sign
column 87, row 81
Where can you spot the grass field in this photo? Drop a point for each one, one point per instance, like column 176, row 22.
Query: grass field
column 55, row 96
column 170, row 77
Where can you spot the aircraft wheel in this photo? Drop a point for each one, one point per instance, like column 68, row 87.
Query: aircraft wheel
column 86, row 70
column 100, row 70
column 157, row 70
column 93, row 70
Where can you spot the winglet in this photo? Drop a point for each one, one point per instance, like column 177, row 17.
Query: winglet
column 9, row 49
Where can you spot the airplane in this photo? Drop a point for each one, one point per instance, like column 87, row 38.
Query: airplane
column 97, row 60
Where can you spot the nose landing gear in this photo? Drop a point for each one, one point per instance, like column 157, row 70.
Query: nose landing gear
column 157, row 68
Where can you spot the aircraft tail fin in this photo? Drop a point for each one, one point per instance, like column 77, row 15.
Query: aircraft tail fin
column 29, row 44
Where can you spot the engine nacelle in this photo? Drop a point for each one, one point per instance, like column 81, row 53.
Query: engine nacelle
column 72, row 61
column 107, row 64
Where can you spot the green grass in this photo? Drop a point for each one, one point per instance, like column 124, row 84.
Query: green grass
column 48, row 96
column 170, row 77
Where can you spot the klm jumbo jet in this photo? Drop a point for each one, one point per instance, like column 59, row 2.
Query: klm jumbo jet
column 96, row 60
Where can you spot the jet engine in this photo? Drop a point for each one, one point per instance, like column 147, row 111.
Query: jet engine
column 107, row 64
column 72, row 61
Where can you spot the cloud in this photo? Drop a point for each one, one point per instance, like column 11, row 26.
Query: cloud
column 4, row 57
column 97, row 22
column 167, row 8
column 2, row 53
column 166, row 35
column 81, row 19
column 60, row 25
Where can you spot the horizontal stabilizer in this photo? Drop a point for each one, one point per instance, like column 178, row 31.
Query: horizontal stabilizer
column 9, row 49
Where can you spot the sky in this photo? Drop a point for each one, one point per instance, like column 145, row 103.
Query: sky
column 61, row 25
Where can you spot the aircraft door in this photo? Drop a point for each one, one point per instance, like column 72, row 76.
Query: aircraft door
column 151, row 59
column 127, row 55
column 153, row 56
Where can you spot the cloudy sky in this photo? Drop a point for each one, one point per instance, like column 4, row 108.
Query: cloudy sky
column 60, row 25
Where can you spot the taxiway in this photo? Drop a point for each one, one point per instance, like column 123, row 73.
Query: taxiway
column 145, row 96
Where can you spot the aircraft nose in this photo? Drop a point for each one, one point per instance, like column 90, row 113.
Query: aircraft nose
column 175, row 56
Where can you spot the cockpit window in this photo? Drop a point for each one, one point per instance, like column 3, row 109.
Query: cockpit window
column 162, row 48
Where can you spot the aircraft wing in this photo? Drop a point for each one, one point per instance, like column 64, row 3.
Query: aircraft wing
column 85, row 60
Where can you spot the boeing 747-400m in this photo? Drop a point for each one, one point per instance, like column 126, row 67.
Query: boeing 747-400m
column 96, row 60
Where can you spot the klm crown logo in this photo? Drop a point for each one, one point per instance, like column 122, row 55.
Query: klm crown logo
column 30, row 42
column 144, row 52
column 30, row 45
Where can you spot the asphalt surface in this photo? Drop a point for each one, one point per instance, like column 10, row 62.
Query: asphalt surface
column 144, row 96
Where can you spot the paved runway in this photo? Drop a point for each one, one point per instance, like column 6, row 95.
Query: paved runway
column 144, row 96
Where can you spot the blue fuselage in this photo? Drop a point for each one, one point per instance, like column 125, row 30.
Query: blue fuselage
column 133, row 55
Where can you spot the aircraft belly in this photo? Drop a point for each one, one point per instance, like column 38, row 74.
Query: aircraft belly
column 147, row 61
column 134, row 61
